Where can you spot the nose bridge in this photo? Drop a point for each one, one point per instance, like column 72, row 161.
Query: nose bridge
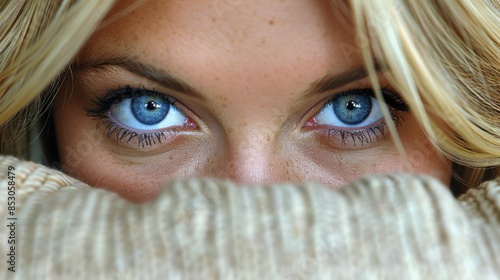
column 252, row 159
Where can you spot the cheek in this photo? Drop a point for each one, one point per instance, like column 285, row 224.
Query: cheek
column 137, row 179
column 135, row 183
column 134, row 178
column 339, row 167
column 339, row 170
column 424, row 159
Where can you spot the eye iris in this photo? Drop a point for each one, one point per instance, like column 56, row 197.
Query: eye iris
column 149, row 110
column 352, row 109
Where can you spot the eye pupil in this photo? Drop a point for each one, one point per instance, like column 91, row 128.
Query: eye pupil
column 351, row 105
column 151, row 105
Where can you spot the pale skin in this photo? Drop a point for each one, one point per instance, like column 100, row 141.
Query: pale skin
column 250, row 105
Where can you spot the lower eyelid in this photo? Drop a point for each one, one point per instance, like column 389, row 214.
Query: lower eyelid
column 356, row 138
column 359, row 128
column 123, row 135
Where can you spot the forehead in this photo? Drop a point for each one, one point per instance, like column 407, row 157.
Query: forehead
column 231, row 30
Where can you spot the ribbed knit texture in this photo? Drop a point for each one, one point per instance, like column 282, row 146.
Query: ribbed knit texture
column 380, row 227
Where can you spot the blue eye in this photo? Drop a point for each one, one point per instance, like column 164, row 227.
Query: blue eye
column 145, row 116
column 351, row 109
column 146, row 111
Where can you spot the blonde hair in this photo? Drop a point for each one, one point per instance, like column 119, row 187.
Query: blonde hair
column 38, row 39
column 442, row 56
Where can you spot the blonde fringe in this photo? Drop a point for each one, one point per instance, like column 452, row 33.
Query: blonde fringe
column 443, row 57
column 38, row 39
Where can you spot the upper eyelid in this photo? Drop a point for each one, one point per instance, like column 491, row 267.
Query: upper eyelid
column 138, row 91
column 390, row 97
column 101, row 105
column 332, row 82
column 363, row 91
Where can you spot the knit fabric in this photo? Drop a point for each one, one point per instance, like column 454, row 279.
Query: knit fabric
column 394, row 226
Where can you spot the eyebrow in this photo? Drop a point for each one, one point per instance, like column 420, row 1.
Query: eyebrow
column 331, row 82
column 325, row 84
column 147, row 71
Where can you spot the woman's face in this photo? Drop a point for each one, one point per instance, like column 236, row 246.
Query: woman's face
column 251, row 91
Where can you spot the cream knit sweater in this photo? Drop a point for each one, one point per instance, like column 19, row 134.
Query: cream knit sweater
column 381, row 227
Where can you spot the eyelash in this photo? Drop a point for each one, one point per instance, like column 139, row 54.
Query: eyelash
column 363, row 136
column 101, row 106
column 366, row 135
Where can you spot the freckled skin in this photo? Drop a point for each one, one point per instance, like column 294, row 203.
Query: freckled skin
column 253, row 62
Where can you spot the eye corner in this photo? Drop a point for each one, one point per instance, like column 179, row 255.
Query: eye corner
column 311, row 122
column 190, row 123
